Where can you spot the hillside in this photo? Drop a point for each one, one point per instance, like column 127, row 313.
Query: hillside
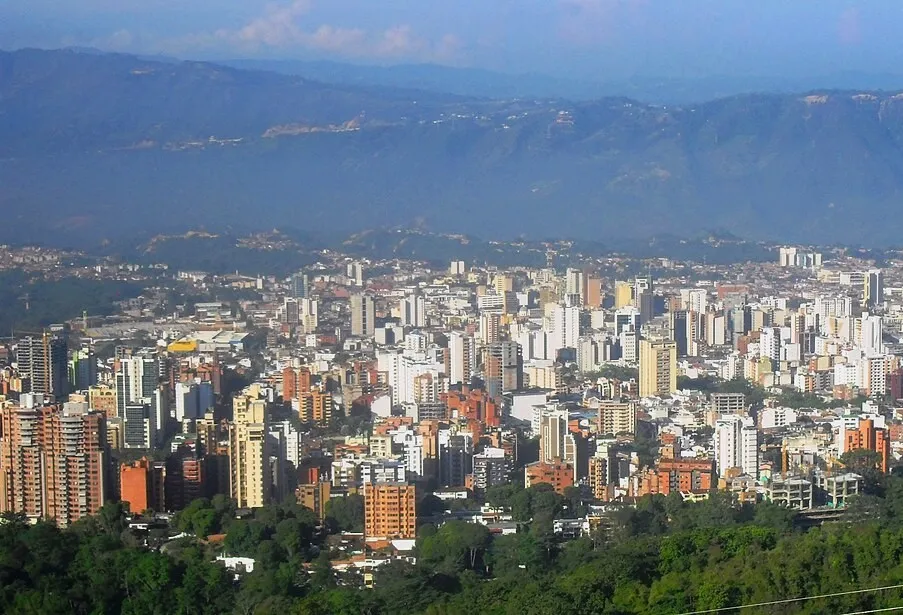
column 100, row 146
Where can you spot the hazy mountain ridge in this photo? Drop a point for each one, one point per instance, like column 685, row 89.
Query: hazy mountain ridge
column 484, row 83
column 101, row 142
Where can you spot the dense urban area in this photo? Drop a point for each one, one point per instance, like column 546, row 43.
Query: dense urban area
column 366, row 435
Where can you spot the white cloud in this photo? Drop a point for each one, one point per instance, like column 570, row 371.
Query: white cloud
column 282, row 27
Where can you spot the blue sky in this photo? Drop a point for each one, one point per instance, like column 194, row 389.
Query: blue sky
column 576, row 38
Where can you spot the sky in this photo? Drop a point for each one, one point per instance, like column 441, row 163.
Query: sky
column 573, row 38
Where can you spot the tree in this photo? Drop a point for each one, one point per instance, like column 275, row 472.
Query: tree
column 347, row 513
column 455, row 546
column 867, row 464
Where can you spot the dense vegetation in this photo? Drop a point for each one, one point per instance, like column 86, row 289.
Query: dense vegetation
column 664, row 556
column 55, row 301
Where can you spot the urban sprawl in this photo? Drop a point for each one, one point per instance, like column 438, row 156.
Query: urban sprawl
column 388, row 394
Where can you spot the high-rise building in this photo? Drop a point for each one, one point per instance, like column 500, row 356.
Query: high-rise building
column 597, row 478
column 413, row 310
column 680, row 332
column 553, row 427
column 137, row 378
column 490, row 327
column 658, row 367
column 644, row 298
column 504, row 368
column 592, row 295
column 315, row 407
column 299, row 285
column 139, row 426
column 490, row 469
column 53, row 463
column 390, row 511
column 736, row 445
column 617, row 417
column 294, row 382
column 249, row 453
column 627, row 317
column 102, row 399
column 565, row 328
column 871, row 335
column 462, row 351
column 455, row 457
column 623, row 295
column 770, row 343
column 558, row 474
column 868, row 437
column 363, row 315
column 43, row 361
column 873, row 288
column 355, row 273
column 503, row 283
column 314, row 497
column 187, row 401
column 82, row 370
column 574, row 285
column 141, row 485
column 693, row 300
column 187, row 477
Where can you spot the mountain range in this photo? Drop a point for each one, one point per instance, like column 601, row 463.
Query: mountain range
column 100, row 146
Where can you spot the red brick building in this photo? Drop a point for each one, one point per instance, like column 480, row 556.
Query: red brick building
column 141, row 485
column 560, row 475
column 473, row 404
column 870, row 438
column 52, row 464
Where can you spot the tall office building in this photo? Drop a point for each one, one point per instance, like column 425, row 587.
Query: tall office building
column 363, row 315
column 43, row 361
column 355, row 273
column 249, row 453
column 658, row 367
column 53, row 463
column 623, row 295
column 627, row 317
column 490, row 468
column 565, row 328
column 693, row 300
column 390, row 511
column 873, row 288
column 502, row 284
column 553, row 427
column 137, row 378
column 82, row 370
column 574, row 284
column 413, row 310
column 139, row 426
column 644, row 298
column 300, row 285
column 462, row 350
column 736, row 445
column 680, row 332
column 770, row 343
column 187, row 402
column 504, row 369
column 871, row 335
column 592, row 293
column 490, row 327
